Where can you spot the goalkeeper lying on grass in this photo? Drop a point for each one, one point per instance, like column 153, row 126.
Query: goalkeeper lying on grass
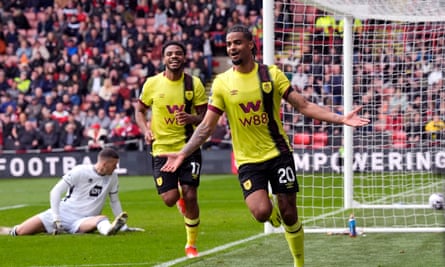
column 86, row 187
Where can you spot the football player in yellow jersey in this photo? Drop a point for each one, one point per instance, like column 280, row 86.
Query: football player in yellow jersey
column 261, row 146
column 178, row 103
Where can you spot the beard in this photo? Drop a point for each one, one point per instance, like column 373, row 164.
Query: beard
column 176, row 69
column 237, row 62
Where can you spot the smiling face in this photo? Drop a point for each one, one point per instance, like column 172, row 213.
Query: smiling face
column 174, row 58
column 239, row 48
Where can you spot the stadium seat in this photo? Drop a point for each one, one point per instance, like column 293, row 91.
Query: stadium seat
column 301, row 140
column 319, row 140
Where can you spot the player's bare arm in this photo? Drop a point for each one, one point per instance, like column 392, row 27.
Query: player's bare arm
column 141, row 120
column 185, row 118
column 317, row 112
column 201, row 134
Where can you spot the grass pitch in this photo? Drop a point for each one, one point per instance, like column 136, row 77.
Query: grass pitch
column 228, row 236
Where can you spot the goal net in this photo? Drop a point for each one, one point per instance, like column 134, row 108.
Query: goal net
column 387, row 56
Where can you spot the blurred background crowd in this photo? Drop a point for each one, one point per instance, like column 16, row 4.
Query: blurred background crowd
column 71, row 71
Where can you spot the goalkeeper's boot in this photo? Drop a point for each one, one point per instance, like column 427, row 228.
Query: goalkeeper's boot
column 180, row 203
column 275, row 217
column 191, row 252
column 118, row 222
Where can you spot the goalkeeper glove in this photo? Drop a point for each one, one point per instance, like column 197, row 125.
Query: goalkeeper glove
column 125, row 228
column 58, row 228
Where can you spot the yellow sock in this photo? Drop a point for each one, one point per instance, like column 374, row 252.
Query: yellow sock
column 191, row 228
column 295, row 239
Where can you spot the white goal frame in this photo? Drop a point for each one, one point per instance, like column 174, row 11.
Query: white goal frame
column 268, row 54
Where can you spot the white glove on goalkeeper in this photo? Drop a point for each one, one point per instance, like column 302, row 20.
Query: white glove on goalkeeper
column 58, row 228
column 125, row 228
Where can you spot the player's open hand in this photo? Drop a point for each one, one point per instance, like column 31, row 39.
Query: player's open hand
column 352, row 119
column 184, row 118
column 174, row 160
column 148, row 137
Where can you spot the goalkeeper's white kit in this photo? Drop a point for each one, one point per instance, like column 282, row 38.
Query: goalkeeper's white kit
column 86, row 193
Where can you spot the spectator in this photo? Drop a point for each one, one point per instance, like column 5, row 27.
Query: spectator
column 299, row 78
column 49, row 137
column 39, row 52
column 60, row 115
column 194, row 70
column 91, row 118
column 3, row 83
column 398, row 100
column 104, row 119
column 160, row 20
column 435, row 128
column 49, row 103
column 208, row 55
column 45, row 24
column 27, row 137
column 36, row 82
column 93, row 39
column 24, row 52
column 7, row 125
column 53, row 44
column 11, row 34
column 128, row 108
column 414, row 128
column 126, row 134
column 49, row 83
column 95, row 82
column 69, row 138
column 97, row 137
column 106, row 90
column 20, row 19
column 23, row 82
column 34, row 109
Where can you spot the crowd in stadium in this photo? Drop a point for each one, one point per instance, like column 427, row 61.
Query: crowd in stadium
column 71, row 71
column 399, row 83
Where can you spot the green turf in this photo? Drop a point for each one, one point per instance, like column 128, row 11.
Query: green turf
column 224, row 219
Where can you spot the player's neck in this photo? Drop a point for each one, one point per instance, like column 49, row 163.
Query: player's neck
column 173, row 76
column 245, row 67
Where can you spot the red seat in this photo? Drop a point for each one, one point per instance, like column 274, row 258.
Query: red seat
column 301, row 140
column 319, row 140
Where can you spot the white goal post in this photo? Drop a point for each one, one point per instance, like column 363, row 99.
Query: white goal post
column 387, row 56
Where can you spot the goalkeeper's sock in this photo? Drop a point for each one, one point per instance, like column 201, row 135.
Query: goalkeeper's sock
column 103, row 226
column 13, row 231
column 191, row 228
column 295, row 239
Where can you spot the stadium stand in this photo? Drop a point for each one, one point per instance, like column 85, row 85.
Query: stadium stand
column 64, row 43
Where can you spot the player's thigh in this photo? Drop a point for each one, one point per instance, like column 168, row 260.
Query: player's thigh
column 189, row 173
column 252, row 177
column 282, row 174
column 87, row 224
column 31, row 226
column 164, row 181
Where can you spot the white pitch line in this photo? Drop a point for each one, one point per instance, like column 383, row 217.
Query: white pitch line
column 169, row 263
column 13, row 207
column 213, row 250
